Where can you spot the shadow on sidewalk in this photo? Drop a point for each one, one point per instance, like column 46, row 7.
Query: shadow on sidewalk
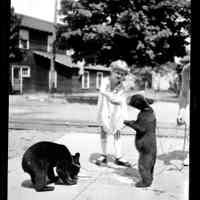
column 28, row 184
column 121, row 171
column 174, row 155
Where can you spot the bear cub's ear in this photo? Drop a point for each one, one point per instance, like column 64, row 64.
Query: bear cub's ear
column 76, row 157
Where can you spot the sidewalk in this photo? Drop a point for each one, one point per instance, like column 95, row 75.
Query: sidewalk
column 112, row 182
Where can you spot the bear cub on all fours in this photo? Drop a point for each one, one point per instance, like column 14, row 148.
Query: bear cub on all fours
column 40, row 159
column 145, row 139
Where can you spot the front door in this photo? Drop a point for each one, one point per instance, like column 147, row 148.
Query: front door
column 16, row 79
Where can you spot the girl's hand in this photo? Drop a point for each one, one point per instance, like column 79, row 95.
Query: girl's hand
column 114, row 100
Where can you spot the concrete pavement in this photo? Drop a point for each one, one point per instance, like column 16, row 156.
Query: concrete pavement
column 111, row 182
column 59, row 109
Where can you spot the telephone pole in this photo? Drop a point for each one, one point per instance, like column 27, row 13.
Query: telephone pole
column 52, row 76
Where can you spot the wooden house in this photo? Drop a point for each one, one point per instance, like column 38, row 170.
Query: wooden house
column 32, row 73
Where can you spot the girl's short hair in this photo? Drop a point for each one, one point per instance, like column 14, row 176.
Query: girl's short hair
column 119, row 65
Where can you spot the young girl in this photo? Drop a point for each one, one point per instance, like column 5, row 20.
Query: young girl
column 112, row 110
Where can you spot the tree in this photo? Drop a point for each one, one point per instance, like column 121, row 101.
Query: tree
column 14, row 51
column 142, row 32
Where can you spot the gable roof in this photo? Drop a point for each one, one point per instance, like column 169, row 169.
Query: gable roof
column 59, row 58
column 67, row 61
column 35, row 23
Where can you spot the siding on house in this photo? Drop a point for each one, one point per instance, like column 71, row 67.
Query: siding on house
column 38, row 40
column 39, row 69
column 77, row 82
column 64, row 80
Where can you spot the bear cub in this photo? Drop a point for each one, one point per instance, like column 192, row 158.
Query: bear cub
column 145, row 139
column 40, row 159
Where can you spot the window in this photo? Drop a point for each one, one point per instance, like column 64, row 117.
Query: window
column 23, row 44
column 25, row 71
column 23, row 39
column 85, row 80
column 99, row 79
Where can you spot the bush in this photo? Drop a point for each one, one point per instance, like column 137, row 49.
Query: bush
column 143, row 77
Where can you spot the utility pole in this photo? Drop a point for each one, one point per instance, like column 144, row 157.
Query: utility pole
column 52, row 77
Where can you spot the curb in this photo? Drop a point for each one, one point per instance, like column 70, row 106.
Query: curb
column 84, row 98
column 93, row 99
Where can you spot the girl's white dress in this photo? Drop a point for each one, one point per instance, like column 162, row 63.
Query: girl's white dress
column 111, row 116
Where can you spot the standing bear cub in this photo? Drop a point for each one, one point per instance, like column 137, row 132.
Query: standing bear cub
column 40, row 159
column 145, row 139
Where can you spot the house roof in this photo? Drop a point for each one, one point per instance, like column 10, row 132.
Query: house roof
column 34, row 23
column 67, row 61
column 59, row 58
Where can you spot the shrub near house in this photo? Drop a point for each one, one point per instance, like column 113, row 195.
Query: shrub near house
column 164, row 78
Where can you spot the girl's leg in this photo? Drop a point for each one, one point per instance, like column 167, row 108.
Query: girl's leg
column 117, row 144
column 117, row 150
column 104, row 140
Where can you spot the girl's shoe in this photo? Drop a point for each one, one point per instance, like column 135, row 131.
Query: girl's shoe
column 101, row 160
